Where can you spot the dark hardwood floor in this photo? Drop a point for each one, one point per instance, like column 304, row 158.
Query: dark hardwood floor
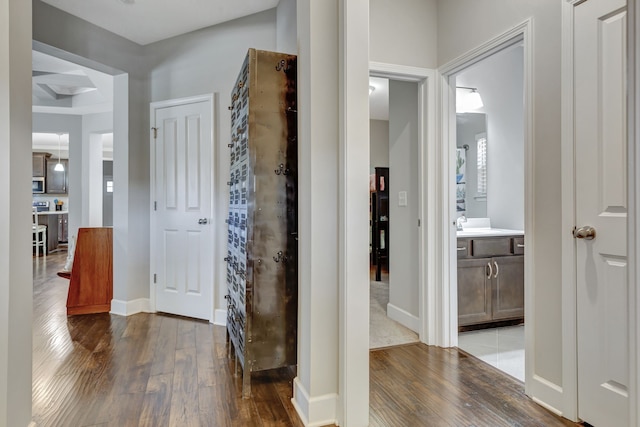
column 160, row 370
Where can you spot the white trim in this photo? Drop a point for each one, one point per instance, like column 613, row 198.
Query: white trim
column 633, row 244
column 447, row 294
column 321, row 409
column 353, row 206
column 569, row 280
column 220, row 317
column 403, row 317
column 128, row 308
column 153, row 106
column 428, row 184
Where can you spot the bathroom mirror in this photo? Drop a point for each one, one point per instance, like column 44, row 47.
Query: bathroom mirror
column 471, row 165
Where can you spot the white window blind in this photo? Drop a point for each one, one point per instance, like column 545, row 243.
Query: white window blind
column 481, row 141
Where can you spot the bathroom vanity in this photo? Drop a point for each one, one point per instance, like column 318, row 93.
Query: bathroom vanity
column 490, row 276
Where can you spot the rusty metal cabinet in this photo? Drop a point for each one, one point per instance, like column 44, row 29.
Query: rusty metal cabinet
column 262, row 250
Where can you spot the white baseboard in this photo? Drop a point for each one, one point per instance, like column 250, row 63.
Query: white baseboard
column 128, row 308
column 314, row 411
column 220, row 317
column 403, row 317
column 546, row 394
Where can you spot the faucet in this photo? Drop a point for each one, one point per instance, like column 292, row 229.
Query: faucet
column 459, row 222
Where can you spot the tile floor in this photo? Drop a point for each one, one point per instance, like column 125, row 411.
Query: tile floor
column 502, row 348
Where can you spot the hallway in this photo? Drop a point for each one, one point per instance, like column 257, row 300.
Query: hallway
column 160, row 370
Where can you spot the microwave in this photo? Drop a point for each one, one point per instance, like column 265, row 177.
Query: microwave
column 37, row 184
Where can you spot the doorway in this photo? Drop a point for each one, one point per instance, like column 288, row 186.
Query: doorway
column 489, row 209
column 494, row 271
column 393, row 172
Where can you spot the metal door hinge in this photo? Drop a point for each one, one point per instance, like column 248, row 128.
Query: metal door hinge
column 155, row 133
column 155, row 278
column 155, row 206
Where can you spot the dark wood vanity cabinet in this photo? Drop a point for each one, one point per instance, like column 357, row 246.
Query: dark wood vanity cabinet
column 490, row 279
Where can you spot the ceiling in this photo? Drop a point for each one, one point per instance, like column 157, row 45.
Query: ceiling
column 62, row 87
column 148, row 21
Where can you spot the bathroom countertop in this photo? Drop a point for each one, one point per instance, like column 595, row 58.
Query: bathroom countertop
column 488, row 232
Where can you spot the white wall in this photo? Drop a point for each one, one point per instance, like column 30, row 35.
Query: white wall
column 16, row 286
column 403, row 32
column 488, row 18
column 286, row 37
column 208, row 61
column 499, row 80
column 403, row 225
column 468, row 125
column 378, row 144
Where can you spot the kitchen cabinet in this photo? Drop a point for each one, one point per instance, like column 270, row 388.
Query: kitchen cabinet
column 63, row 228
column 57, row 182
column 39, row 167
column 490, row 279
column 51, row 221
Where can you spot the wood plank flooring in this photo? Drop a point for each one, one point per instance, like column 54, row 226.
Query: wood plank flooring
column 160, row 370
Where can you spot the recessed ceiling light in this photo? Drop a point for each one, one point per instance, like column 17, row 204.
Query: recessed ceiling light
column 128, row 1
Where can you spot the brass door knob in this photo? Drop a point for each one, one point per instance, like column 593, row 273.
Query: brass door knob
column 587, row 232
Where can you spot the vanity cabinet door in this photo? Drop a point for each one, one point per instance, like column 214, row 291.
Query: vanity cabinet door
column 474, row 291
column 508, row 287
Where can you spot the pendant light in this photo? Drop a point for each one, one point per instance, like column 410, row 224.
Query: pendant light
column 59, row 166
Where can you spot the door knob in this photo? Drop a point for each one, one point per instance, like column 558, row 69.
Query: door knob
column 587, row 232
column 202, row 221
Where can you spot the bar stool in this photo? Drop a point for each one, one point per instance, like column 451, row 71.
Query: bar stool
column 39, row 234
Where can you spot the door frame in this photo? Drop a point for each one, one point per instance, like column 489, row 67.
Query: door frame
column 446, row 289
column 153, row 244
column 569, row 279
column 428, row 174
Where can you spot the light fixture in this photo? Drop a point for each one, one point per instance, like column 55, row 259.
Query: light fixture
column 467, row 99
column 371, row 89
column 59, row 166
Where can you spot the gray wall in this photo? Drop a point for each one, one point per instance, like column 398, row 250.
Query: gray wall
column 204, row 61
column 488, row 19
column 286, row 38
column 378, row 144
column 115, row 55
column 499, row 80
column 403, row 176
column 208, row 61
column 404, row 32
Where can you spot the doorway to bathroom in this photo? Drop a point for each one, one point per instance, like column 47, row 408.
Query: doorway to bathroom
column 488, row 175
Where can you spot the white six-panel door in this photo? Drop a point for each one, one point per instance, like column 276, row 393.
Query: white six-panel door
column 182, row 229
column 601, row 203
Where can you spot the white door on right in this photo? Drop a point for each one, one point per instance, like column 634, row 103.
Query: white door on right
column 601, row 211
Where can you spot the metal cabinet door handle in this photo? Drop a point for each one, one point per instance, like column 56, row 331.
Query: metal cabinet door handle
column 464, row 248
column 587, row 232
column 497, row 270
column 490, row 270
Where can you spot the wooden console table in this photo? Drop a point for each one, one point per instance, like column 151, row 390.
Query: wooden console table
column 91, row 286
